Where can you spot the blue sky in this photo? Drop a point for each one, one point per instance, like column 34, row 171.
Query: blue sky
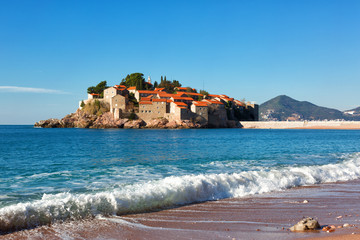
column 51, row 51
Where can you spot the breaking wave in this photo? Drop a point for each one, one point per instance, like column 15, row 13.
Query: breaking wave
column 169, row 192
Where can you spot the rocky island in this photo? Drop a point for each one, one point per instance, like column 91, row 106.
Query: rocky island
column 136, row 103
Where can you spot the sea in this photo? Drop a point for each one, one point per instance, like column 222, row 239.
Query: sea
column 55, row 175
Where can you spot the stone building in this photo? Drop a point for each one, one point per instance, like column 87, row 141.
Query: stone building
column 200, row 112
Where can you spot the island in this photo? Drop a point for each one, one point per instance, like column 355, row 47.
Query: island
column 136, row 103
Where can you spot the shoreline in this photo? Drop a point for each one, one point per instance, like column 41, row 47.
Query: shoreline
column 337, row 125
column 265, row 216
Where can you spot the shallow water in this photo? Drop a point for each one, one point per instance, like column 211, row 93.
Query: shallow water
column 61, row 174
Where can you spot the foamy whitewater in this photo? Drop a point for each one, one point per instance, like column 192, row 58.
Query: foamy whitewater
column 72, row 174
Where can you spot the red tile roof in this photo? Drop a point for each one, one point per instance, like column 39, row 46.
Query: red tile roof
column 94, row 94
column 164, row 94
column 148, row 91
column 183, row 98
column 159, row 89
column 132, row 88
column 145, row 102
column 200, row 104
column 213, row 95
column 181, row 104
column 190, row 93
column 159, row 100
column 214, row 102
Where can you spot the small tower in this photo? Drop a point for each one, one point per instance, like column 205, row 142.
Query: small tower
column 149, row 79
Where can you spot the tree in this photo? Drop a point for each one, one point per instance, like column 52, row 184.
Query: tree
column 98, row 89
column 205, row 93
column 82, row 104
column 156, row 84
column 134, row 79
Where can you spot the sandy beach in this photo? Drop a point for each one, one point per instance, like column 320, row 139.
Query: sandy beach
column 345, row 125
column 266, row 216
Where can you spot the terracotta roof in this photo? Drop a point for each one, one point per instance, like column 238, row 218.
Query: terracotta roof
column 145, row 102
column 214, row 102
column 164, row 94
column 190, row 93
column 239, row 103
column 183, row 98
column 213, row 95
column 94, row 94
column 181, row 104
column 148, row 98
column 227, row 99
column 120, row 89
column 132, row 88
column 160, row 100
column 200, row 104
column 148, row 91
column 182, row 107
column 223, row 95
column 159, row 89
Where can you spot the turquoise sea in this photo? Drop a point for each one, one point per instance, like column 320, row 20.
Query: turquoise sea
column 49, row 175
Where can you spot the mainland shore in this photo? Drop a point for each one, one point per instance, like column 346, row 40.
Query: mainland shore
column 266, row 216
column 302, row 125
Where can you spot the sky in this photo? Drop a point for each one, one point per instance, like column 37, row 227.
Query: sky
column 52, row 51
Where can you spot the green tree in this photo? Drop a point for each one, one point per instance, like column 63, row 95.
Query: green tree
column 82, row 104
column 205, row 93
column 98, row 89
column 156, row 84
column 134, row 79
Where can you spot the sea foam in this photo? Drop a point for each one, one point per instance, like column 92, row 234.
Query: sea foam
column 171, row 191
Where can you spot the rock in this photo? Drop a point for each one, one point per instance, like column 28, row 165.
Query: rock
column 50, row 123
column 305, row 201
column 134, row 124
column 306, row 224
column 157, row 123
column 346, row 225
column 107, row 120
column 172, row 124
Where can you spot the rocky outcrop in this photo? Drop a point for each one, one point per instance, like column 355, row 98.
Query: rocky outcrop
column 135, row 124
column 80, row 119
column 306, row 224
column 157, row 123
column 50, row 123
column 107, row 121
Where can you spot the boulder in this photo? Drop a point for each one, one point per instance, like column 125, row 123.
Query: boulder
column 107, row 120
column 157, row 123
column 134, row 124
column 306, row 224
column 172, row 124
column 50, row 123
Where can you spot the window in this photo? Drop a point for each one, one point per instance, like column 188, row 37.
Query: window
column 149, row 111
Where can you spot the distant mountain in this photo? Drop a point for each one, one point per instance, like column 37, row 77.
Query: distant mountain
column 353, row 112
column 284, row 108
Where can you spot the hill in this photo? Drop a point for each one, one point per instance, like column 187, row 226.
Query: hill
column 353, row 112
column 283, row 108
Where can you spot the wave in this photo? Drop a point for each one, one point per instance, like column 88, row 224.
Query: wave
column 169, row 192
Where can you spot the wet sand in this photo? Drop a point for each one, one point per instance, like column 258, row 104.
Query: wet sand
column 266, row 216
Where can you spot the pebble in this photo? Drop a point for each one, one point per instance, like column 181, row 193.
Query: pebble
column 338, row 217
column 305, row 201
column 346, row 225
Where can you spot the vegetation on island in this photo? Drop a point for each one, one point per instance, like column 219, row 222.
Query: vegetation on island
column 98, row 89
column 96, row 108
column 137, row 80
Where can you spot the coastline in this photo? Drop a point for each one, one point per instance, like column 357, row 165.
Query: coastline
column 340, row 125
column 266, row 216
